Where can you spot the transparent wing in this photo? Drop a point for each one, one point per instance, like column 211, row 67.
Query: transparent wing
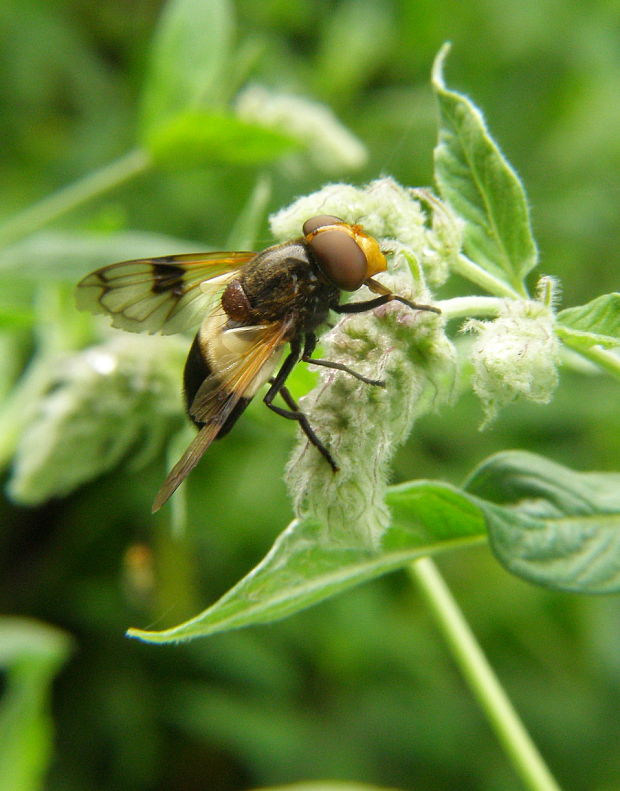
column 219, row 395
column 169, row 294
column 240, row 373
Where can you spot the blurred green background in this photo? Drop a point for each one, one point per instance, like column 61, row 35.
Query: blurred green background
column 358, row 688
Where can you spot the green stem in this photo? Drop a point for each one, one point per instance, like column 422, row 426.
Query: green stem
column 482, row 681
column 18, row 408
column 464, row 307
column 74, row 195
column 606, row 360
column 476, row 274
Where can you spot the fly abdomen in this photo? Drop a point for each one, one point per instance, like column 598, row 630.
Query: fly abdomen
column 197, row 369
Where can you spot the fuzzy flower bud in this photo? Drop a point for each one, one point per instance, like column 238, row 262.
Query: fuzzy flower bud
column 101, row 403
column 516, row 355
column 445, row 241
column 361, row 424
column 331, row 146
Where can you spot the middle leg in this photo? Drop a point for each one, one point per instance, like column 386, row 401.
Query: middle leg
column 307, row 358
column 294, row 413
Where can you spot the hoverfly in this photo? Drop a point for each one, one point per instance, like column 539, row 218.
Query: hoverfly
column 248, row 307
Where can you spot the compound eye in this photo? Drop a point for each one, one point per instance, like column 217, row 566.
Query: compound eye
column 340, row 259
column 318, row 222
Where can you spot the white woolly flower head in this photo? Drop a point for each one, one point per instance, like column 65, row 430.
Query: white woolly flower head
column 331, row 146
column 361, row 424
column 119, row 396
column 517, row 354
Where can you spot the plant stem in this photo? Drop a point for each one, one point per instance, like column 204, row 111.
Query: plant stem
column 482, row 681
column 73, row 196
column 464, row 307
column 468, row 269
column 18, row 408
column 606, row 360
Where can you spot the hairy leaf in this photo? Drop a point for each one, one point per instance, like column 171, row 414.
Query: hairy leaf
column 477, row 181
column 595, row 324
column 548, row 524
column 299, row 571
column 552, row 525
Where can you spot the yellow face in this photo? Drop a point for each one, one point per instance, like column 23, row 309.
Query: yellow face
column 376, row 260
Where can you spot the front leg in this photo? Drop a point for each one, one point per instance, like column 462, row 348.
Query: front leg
column 306, row 357
column 386, row 296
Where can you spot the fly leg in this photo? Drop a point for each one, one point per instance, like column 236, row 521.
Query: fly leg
column 293, row 412
column 307, row 358
column 386, row 296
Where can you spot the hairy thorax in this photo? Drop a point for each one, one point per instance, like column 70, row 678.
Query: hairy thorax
column 282, row 282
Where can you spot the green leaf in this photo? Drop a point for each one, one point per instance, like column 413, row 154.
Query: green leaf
column 595, row 324
column 30, row 655
column 200, row 138
column 15, row 318
column 188, row 61
column 547, row 524
column 299, row 571
column 477, row 181
column 245, row 229
column 356, row 35
column 24, row 641
column 551, row 525
column 66, row 256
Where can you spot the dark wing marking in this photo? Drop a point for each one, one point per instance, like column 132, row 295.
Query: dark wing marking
column 169, row 294
column 219, row 395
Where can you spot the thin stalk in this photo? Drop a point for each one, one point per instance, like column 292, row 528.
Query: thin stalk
column 18, row 407
column 464, row 307
column 606, row 360
column 74, row 195
column 468, row 269
column 482, row 681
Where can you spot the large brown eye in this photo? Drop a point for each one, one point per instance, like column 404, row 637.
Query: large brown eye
column 340, row 259
column 318, row 222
